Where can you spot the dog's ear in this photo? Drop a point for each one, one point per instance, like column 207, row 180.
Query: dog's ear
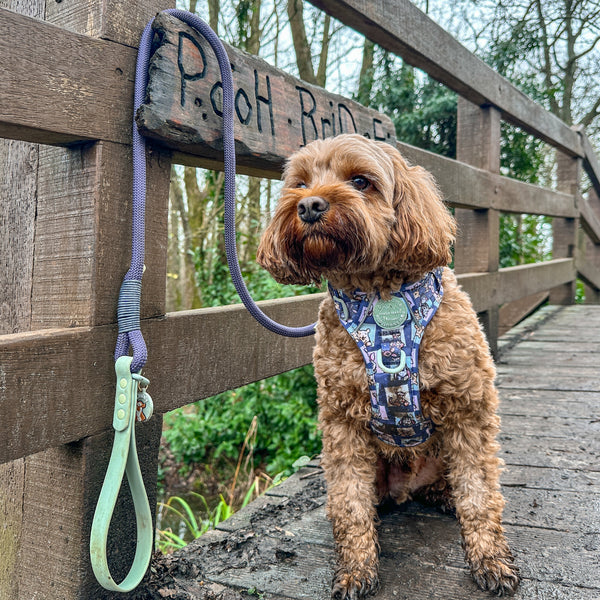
column 424, row 231
column 270, row 253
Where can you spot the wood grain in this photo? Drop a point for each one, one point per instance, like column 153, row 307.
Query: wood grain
column 18, row 183
column 85, row 85
column 466, row 186
column 275, row 114
column 192, row 355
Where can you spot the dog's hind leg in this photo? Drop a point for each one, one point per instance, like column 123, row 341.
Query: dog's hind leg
column 473, row 473
column 349, row 462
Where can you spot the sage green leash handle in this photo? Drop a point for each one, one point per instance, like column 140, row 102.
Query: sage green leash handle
column 123, row 459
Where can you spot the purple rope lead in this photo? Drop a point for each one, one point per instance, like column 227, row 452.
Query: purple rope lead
column 129, row 298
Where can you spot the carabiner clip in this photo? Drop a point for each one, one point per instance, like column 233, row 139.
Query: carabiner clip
column 123, row 459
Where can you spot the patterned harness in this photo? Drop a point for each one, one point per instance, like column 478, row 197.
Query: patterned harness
column 388, row 334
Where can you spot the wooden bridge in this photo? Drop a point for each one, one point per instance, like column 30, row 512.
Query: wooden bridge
column 282, row 544
column 65, row 111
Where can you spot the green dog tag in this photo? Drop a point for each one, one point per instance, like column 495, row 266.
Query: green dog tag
column 389, row 314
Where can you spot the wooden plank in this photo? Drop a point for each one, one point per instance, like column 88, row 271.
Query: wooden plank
column 82, row 248
column 466, row 186
column 275, row 114
column 79, row 97
column 549, row 478
column 557, row 453
column 564, row 404
column 477, row 243
column 564, row 231
column 552, row 426
column 113, row 20
column 590, row 160
column 590, row 221
column 512, row 283
column 18, row 182
column 18, row 179
column 525, row 280
column 197, row 354
column 403, row 29
column 514, row 312
column 541, row 380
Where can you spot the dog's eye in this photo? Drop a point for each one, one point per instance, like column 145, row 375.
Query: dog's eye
column 301, row 185
column 360, row 183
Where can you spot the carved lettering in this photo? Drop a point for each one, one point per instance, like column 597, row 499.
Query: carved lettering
column 327, row 129
column 347, row 124
column 185, row 76
column 216, row 98
column 378, row 133
column 268, row 101
column 275, row 113
column 248, row 108
column 307, row 112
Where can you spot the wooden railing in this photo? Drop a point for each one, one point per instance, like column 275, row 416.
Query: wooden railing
column 68, row 83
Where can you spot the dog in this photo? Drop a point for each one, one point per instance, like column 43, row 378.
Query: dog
column 354, row 212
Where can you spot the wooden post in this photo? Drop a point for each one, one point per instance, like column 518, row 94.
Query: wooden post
column 590, row 252
column 79, row 255
column 564, row 231
column 18, row 182
column 477, row 247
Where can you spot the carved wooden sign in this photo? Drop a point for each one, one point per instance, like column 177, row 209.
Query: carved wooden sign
column 275, row 113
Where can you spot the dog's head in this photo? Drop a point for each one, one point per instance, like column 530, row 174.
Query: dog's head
column 352, row 210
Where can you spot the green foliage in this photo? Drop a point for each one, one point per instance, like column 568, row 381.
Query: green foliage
column 524, row 239
column 423, row 111
column 214, row 429
column 192, row 525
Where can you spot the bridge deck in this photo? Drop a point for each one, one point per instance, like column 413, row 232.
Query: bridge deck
column 281, row 546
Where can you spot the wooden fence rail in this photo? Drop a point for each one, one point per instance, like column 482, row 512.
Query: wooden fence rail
column 67, row 82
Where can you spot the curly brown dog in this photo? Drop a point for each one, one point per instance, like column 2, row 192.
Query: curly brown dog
column 354, row 212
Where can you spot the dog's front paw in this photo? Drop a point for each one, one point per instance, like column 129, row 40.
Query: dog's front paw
column 351, row 586
column 498, row 575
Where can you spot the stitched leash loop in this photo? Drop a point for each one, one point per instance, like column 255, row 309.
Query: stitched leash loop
column 123, row 460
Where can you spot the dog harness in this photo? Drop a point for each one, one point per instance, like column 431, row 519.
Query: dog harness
column 388, row 334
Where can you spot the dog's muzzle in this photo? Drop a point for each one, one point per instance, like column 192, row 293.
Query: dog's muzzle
column 311, row 209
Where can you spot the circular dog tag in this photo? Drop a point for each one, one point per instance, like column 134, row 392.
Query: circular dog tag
column 144, row 407
column 390, row 313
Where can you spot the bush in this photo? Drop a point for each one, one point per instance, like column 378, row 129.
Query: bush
column 214, row 429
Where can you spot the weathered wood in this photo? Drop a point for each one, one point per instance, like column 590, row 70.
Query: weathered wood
column 590, row 160
column 402, row 28
column 84, row 214
column 79, row 80
column 525, row 280
column 549, row 478
column 590, row 221
column 82, row 241
column 224, row 348
column 565, row 404
column 18, row 182
column 466, row 186
column 512, row 313
column 275, row 114
column 564, row 231
column 477, row 246
column 112, row 20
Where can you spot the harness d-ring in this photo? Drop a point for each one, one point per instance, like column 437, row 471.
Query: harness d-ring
column 123, row 460
column 400, row 367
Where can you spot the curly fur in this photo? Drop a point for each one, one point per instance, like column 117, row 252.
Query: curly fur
column 393, row 231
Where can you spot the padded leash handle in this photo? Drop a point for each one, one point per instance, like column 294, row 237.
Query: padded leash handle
column 123, row 460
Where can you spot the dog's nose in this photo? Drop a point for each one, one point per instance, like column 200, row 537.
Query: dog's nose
column 311, row 209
